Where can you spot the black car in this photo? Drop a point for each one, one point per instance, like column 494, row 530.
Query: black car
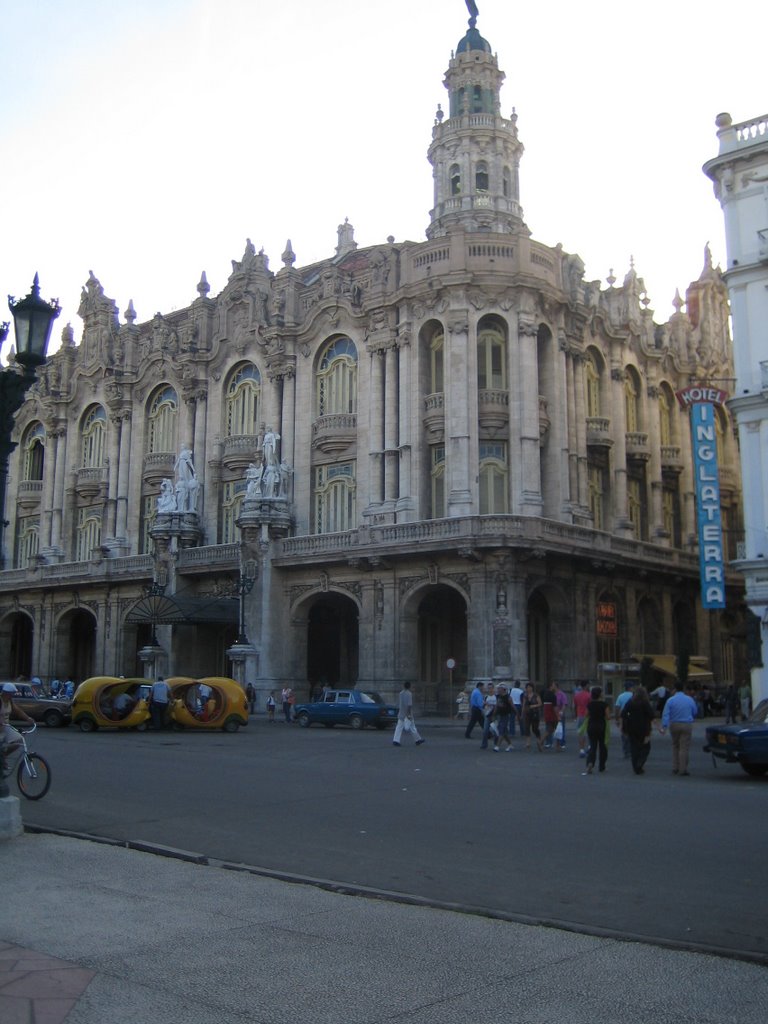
column 745, row 744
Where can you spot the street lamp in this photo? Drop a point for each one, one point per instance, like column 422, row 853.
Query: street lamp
column 33, row 319
column 244, row 585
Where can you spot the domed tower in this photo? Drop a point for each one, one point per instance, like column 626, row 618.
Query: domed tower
column 475, row 152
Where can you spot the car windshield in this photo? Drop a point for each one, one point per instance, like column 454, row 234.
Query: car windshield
column 371, row 698
column 760, row 715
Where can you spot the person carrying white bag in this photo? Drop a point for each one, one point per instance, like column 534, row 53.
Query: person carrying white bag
column 405, row 722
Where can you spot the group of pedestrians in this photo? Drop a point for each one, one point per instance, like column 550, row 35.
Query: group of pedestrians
column 503, row 711
column 540, row 714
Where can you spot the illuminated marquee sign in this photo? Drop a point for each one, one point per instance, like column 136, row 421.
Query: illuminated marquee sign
column 606, row 619
column 701, row 400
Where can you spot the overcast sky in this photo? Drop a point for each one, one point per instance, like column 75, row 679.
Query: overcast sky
column 147, row 139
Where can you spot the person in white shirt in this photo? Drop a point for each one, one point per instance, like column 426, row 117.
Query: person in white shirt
column 405, row 720
column 159, row 702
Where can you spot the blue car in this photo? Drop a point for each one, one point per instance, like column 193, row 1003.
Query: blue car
column 347, row 707
column 745, row 744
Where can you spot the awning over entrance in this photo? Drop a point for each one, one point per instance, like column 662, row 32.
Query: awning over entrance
column 698, row 671
column 164, row 610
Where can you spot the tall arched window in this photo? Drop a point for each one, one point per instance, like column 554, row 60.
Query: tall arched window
column 592, row 377
column 243, row 401
column 455, row 177
column 88, row 532
column 337, row 378
column 92, row 440
column 491, row 359
column 34, row 452
column 436, row 362
column 437, row 481
column 161, row 427
column 665, row 417
column 596, row 477
column 232, row 495
column 28, row 541
column 494, row 478
column 334, row 497
column 481, row 177
column 631, row 403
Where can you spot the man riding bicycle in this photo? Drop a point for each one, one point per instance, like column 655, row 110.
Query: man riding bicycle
column 9, row 738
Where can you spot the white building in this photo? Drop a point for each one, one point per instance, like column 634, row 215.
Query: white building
column 740, row 174
column 455, row 448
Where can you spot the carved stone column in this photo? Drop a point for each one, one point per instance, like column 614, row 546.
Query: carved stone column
column 376, row 427
column 531, row 502
column 458, row 381
column 391, row 455
column 405, row 502
column 59, row 482
column 621, row 522
column 124, row 476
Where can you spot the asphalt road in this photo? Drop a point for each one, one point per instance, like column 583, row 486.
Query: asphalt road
column 658, row 857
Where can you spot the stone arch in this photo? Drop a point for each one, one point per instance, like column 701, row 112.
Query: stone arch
column 547, row 623
column 17, row 631
column 326, row 634
column 434, row 629
column 650, row 626
column 75, row 655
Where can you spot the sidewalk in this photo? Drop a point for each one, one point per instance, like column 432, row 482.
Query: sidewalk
column 99, row 934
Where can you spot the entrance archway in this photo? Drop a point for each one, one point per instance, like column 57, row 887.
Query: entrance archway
column 442, row 634
column 16, row 637
column 332, row 642
column 76, row 645
column 538, row 638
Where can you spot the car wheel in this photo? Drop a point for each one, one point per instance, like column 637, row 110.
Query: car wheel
column 303, row 720
column 756, row 770
column 356, row 722
column 231, row 725
column 141, row 727
column 53, row 719
column 87, row 724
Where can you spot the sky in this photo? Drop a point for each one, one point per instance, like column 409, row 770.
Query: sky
column 145, row 140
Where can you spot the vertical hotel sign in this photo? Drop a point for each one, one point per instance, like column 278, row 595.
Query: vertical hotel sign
column 701, row 402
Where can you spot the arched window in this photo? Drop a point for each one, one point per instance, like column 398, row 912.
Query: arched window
column 455, row 177
column 232, row 496
column 337, row 378
column 477, row 100
column 436, row 357
column 34, row 452
column 631, row 403
column 243, row 401
column 491, row 359
column 592, row 376
column 28, row 543
column 161, row 432
column 437, row 481
column 92, row 440
column 665, row 417
column 334, row 498
column 481, row 177
column 595, row 476
column 88, row 532
column 494, row 478
column 506, row 183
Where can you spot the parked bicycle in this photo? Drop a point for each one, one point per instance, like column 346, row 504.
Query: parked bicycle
column 33, row 773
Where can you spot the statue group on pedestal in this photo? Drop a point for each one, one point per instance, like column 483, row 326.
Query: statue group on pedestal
column 184, row 495
column 268, row 478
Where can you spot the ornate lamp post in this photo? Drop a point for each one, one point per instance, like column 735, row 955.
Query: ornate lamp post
column 33, row 319
column 244, row 585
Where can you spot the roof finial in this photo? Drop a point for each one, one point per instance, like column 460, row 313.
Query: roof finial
column 473, row 13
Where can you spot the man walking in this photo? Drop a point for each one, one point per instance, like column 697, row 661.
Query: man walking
column 405, row 720
column 621, row 701
column 476, row 700
column 679, row 713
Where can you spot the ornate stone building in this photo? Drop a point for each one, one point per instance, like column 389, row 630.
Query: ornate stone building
column 409, row 453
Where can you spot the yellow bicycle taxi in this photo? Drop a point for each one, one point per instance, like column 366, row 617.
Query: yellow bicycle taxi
column 214, row 702
column 107, row 702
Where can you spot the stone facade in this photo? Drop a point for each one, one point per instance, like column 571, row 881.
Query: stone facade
column 740, row 175
column 457, row 448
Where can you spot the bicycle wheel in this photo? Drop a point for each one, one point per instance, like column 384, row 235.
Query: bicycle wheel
column 33, row 777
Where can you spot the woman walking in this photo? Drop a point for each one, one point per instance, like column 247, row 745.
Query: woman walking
column 531, row 716
column 637, row 718
column 597, row 724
